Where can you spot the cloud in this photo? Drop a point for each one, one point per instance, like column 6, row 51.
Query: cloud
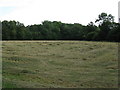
column 6, row 10
column 14, row 3
column 68, row 11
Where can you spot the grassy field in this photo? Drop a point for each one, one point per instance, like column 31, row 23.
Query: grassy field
column 59, row 64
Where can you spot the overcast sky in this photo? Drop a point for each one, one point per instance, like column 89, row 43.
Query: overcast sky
column 67, row 11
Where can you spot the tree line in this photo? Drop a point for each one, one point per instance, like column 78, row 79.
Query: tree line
column 107, row 30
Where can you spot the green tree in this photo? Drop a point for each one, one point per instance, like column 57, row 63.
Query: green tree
column 105, row 25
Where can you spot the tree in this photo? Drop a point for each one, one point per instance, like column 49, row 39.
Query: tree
column 90, row 31
column 114, row 33
column 105, row 25
column 103, row 17
column 106, row 30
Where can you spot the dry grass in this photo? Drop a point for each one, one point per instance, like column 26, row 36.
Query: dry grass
column 35, row 64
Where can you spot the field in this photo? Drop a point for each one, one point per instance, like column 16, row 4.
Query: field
column 59, row 64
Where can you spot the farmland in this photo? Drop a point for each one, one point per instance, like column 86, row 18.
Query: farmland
column 59, row 64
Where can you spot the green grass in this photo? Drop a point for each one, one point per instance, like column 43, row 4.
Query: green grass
column 59, row 64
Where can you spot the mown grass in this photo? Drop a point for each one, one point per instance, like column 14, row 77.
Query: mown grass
column 60, row 64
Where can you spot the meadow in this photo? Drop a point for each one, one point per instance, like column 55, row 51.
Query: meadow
column 59, row 64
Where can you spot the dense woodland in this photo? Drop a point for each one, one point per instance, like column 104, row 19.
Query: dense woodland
column 107, row 30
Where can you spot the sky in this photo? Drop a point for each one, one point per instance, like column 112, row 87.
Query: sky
column 32, row 12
